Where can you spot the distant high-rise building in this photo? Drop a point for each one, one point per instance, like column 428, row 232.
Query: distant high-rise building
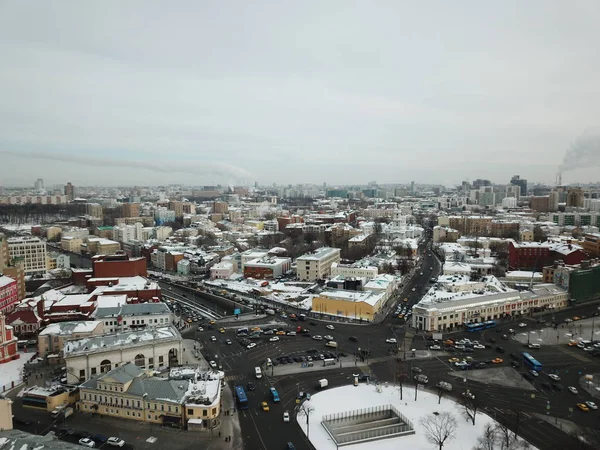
column 412, row 187
column 131, row 210
column 466, row 186
column 70, row 192
column 518, row 181
column 513, row 190
column 39, row 185
column 479, row 183
column 575, row 197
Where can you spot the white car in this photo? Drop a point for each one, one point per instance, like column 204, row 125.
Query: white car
column 461, row 363
column 115, row 442
column 459, row 347
column 213, row 338
column 522, row 325
column 435, row 347
column 317, row 337
column 534, row 373
column 291, row 333
column 200, row 329
column 591, row 405
column 554, row 377
column 87, row 442
column 251, row 345
column 328, row 337
column 330, row 327
column 414, row 289
column 213, row 364
column 286, row 416
column 573, row 390
column 479, row 347
column 274, row 339
column 391, row 340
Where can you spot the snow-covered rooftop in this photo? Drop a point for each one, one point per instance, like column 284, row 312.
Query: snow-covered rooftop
column 69, row 328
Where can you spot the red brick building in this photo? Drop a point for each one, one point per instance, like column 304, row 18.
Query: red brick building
column 267, row 267
column 8, row 342
column 25, row 322
column 119, row 266
column 536, row 255
column 9, row 294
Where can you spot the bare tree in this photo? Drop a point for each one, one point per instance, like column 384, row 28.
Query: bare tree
column 488, row 440
column 439, row 427
column 305, row 409
column 469, row 405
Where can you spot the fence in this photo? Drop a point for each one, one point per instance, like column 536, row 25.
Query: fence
column 366, row 424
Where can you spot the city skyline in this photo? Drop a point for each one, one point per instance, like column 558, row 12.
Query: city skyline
column 131, row 95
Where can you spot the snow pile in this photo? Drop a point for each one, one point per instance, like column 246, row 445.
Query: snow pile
column 13, row 370
column 347, row 398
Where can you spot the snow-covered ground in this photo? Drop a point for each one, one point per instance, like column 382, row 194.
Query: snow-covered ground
column 13, row 370
column 348, row 398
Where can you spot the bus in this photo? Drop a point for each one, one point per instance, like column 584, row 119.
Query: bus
column 240, row 396
column 531, row 362
column 480, row 325
column 275, row 395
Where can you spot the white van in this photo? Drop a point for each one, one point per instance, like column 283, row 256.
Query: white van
column 258, row 372
column 535, row 346
column 269, row 362
column 332, row 344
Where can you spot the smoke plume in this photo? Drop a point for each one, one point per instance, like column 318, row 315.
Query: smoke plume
column 190, row 167
column 584, row 152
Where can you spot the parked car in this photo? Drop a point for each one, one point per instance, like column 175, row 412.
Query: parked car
column 391, row 341
column 87, row 442
column 115, row 442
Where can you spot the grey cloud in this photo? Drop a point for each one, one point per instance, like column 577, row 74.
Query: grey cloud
column 584, row 152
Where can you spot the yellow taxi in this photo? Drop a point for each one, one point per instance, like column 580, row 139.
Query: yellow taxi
column 280, row 333
column 583, row 407
column 400, row 316
column 497, row 361
column 448, row 342
column 572, row 344
column 405, row 300
column 265, row 406
column 189, row 321
column 221, row 330
column 255, row 329
column 576, row 318
column 453, row 360
column 212, row 322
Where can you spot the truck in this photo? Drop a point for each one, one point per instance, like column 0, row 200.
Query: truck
column 322, row 383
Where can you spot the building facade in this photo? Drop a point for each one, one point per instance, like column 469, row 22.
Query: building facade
column 9, row 294
column 51, row 340
column 32, row 250
column 268, row 267
column 8, row 342
column 133, row 317
column 317, row 265
column 155, row 348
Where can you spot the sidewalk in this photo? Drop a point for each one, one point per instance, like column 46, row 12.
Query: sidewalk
column 287, row 369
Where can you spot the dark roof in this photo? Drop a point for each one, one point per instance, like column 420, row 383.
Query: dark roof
column 159, row 389
column 132, row 309
column 122, row 374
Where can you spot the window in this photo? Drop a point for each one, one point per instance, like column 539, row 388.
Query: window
column 205, row 412
column 169, row 408
column 160, row 359
column 177, row 409
column 138, row 403
column 190, row 412
column 82, row 375
column 162, row 407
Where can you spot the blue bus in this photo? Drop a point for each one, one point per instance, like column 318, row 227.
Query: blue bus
column 531, row 362
column 275, row 395
column 240, row 396
column 480, row 325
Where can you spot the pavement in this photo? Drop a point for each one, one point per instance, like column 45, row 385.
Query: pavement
column 502, row 376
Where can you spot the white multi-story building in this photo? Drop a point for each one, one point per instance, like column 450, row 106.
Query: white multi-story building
column 154, row 348
column 356, row 270
column 455, row 301
column 509, row 202
column 317, row 265
column 163, row 215
column 128, row 233
column 133, row 316
column 32, row 250
column 221, row 270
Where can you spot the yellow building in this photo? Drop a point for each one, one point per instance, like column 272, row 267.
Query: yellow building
column 71, row 244
column 129, row 392
column 6, row 416
column 361, row 305
column 53, row 233
column 49, row 398
column 526, row 235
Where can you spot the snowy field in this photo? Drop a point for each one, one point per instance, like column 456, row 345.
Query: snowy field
column 12, row 371
column 349, row 398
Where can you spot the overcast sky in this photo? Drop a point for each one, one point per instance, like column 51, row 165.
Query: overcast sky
column 126, row 92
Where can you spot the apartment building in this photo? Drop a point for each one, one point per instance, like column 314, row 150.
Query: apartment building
column 591, row 244
column 9, row 294
column 317, row 265
column 131, row 209
column 94, row 209
column 71, row 244
column 100, row 246
column 33, row 252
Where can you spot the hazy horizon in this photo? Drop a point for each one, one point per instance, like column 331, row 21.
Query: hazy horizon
column 201, row 93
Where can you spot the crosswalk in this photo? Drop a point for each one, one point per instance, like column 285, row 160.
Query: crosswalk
column 379, row 359
column 235, row 377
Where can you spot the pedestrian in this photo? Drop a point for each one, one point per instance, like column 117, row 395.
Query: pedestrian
column 219, row 434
